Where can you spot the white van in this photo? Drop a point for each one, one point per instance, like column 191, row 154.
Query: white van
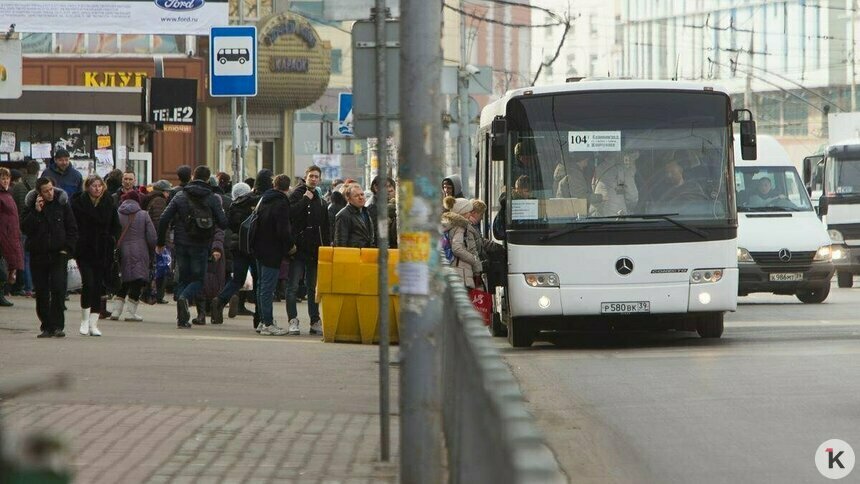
column 783, row 247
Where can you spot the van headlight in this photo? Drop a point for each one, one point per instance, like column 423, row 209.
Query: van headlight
column 702, row 276
column 542, row 279
column 835, row 236
column 824, row 254
column 744, row 255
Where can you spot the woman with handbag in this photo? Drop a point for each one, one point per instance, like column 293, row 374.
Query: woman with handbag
column 464, row 244
column 98, row 228
column 136, row 244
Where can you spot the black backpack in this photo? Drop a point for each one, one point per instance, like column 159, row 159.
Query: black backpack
column 200, row 224
column 248, row 231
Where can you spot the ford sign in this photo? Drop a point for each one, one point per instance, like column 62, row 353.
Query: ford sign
column 180, row 5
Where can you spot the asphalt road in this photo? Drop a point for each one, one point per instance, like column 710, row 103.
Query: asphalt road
column 670, row 407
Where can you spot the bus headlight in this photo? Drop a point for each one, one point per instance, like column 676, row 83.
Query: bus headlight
column 744, row 255
column 835, row 236
column 824, row 254
column 702, row 276
column 542, row 279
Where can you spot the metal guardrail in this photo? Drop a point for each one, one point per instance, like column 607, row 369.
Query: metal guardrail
column 489, row 435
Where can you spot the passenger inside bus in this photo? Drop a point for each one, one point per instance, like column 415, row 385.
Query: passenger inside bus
column 681, row 189
column 526, row 163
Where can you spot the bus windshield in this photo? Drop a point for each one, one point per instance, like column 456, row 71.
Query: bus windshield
column 842, row 177
column 770, row 189
column 618, row 155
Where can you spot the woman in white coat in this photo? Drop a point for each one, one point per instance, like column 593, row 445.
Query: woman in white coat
column 465, row 244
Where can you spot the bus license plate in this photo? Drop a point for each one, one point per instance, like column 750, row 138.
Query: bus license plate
column 786, row 276
column 625, row 307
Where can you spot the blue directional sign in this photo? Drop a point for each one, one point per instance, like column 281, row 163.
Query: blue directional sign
column 233, row 61
column 344, row 114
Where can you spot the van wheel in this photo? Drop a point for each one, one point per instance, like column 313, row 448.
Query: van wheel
column 223, row 60
column 814, row 296
column 710, row 325
column 497, row 328
column 845, row 279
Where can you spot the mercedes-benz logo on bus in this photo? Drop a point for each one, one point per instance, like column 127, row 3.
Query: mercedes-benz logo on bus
column 624, row 266
column 785, row 255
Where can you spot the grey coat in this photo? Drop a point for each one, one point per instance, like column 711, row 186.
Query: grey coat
column 138, row 243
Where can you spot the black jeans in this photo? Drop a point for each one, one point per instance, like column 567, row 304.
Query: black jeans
column 93, row 280
column 131, row 289
column 49, row 282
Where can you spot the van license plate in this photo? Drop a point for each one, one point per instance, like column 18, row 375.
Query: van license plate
column 625, row 307
column 786, row 276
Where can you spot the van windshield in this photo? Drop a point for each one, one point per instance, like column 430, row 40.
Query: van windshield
column 770, row 189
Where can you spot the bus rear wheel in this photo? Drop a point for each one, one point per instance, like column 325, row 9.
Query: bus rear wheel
column 710, row 325
column 845, row 279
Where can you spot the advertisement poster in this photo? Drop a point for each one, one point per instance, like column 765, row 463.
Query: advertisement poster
column 7, row 142
column 104, row 162
column 177, row 17
column 102, row 130
column 83, row 166
column 25, row 148
column 75, row 144
column 330, row 165
column 40, row 151
column 103, row 142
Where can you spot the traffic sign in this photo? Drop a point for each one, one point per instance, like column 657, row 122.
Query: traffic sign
column 344, row 114
column 233, row 61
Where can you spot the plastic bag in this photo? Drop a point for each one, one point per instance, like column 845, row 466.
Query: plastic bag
column 483, row 302
column 73, row 276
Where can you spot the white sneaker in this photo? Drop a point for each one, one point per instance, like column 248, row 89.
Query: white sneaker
column 294, row 327
column 259, row 327
column 273, row 330
column 316, row 327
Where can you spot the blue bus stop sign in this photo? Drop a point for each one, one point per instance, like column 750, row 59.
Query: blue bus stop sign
column 233, row 61
column 344, row 114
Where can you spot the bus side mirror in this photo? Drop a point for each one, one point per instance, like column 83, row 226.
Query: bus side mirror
column 499, row 141
column 748, row 137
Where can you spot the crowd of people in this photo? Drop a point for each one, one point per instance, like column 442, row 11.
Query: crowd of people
column 132, row 244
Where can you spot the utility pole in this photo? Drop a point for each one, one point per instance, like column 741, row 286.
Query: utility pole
column 853, row 58
column 421, row 284
column 380, row 14
column 748, row 90
column 463, row 121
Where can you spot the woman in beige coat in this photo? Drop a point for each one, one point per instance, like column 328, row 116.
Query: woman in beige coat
column 465, row 244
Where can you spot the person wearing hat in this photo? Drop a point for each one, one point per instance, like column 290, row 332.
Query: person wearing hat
column 98, row 231
column 63, row 175
column 137, row 242
column 464, row 244
column 154, row 203
column 526, row 163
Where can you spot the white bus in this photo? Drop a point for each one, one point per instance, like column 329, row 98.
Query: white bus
column 614, row 201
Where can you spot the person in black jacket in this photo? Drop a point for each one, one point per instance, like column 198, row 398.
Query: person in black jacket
column 99, row 229
column 51, row 239
column 273, row 242
column 354, row 225
column 309, row 218
column 192, row 252
column 244, row 202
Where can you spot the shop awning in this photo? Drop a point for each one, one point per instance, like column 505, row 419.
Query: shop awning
column 74, row 103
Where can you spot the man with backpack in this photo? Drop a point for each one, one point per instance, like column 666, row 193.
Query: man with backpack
column 272, row 243
column 194, row 213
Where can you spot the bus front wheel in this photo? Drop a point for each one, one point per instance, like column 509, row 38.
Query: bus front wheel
column 710, row 325
column 844, row 279
column 520, row 335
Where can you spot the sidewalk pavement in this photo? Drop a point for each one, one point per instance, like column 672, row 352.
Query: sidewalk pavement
column 152, row 403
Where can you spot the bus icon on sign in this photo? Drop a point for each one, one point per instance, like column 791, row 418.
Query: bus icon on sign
column 233, row 55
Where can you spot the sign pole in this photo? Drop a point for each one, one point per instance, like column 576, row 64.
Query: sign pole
column 421, row 283
column 235, row 149
column 240, row 172
column 382, row 228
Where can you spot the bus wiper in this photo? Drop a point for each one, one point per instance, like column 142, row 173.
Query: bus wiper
column 570, row 230
column 668, row 217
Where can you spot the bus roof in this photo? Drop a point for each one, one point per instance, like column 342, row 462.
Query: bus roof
column 497, row 108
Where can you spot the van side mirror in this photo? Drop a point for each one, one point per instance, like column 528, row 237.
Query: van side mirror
column 499, row 141
column 807, row 172
column 748, row 136
column 823, row 203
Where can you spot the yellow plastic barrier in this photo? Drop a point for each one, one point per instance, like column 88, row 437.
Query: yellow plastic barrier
column 348, row 293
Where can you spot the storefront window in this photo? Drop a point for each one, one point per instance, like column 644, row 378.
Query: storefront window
column 102, row 44
column 37, row 43
column 168, row 44
column 71, row 43
column 135, row 44
column 254, row 9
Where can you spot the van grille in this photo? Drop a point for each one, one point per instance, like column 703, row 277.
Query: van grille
column 770, row 261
